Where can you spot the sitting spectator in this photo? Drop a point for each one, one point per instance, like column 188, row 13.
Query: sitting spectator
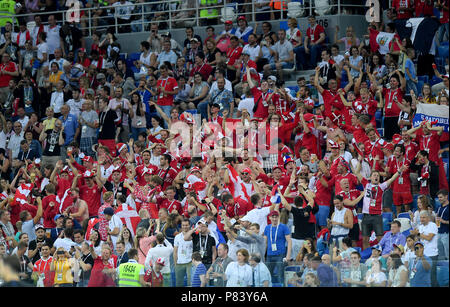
column 375, row 277
column 284, row 56
column 312, row 46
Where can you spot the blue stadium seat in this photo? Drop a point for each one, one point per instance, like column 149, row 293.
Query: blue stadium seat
column 419, row 86
column 442, row 275
column 277, row 285
column 193, row 111
column 443, row 51
column 414, row 206
column 381, row 131
column 343, row 83
column 387, row 218
column 365, row 254
column 406, row 232
column 423, row 78
column 404, row 215
column 284, row 25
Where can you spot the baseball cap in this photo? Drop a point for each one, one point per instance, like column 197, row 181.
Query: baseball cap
column 274, row 213
column 418, row 242
column 388, row 146
column 88, row 174
column 278, row 166
column 400, row 247
column 272, row 77
column 228, row 22
column 108, row 211
column 377, row 247
column 161, row 261
column 242, row 18
column 38, row 226
column 195, row 169
column 202, row 221
column 57, row 217
column 100, row 76
column 194, row 39
column 246, row 170
column 90, row 91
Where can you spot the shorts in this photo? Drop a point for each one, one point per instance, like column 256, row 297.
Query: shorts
column 402, row 198
column 372, row 223
column 354, row 232
column 322, row 215
column 284, row 65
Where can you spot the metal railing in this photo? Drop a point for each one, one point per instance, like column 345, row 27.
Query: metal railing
column 173, row 14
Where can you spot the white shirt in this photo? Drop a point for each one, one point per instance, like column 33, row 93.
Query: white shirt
column 53, row 38
column 253, row 51
column 2, row 139
column 338, row 59
column 160, row 251
column 23, row 121
column 14, row 144
column 184, row 249
column 64, row 243
column 57, row 101
column 123, row 10
column 430, row 247
column 248, row 104
column 228, row 86
column 75, row 106
column 233, row 247
column 113, row 223
column 42, row 48
column 259, row 216
column 238, row 275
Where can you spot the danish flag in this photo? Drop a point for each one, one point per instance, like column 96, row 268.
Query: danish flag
column 129, row 217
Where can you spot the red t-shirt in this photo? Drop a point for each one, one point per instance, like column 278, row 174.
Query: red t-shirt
column 4, row 79
column 170, row 205
column 403, row 182
column 260, row 98
column 336, row 180
column 314, row 33
column 323, row 194
column 390, row 107
column 400, row 6
column 98, row 278
column 429, row 143
column 423, row 7
column 233, row 54
column 330, row 100
column 167, row 175
column 352, row 195
column 49, row 211
column 169, row 84
column 205, row 70
column 92, row 198
column 140, row 178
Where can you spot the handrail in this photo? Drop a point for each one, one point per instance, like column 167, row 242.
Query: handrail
column 88, row 17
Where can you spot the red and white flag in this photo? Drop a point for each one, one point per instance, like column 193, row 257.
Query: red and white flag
column 129, row 217
column 236, row 185
column 22, row 193
column 65, row 201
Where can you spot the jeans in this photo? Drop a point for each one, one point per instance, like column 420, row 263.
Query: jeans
column 202, row 108
column 276, row 261
column 182, row 270
column 135, row 132
column 322, row 215
column 443, row 29
column 410, row 85
column 301, row 55
column 443, row 246
column 166, row 279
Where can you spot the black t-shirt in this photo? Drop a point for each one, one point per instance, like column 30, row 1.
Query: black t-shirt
column 303, row 229
column 87, row 259
column 207, row 245
column 32, row 247
column 107, row 126
column 120, row 189
column 52, row 147
column 71, row 38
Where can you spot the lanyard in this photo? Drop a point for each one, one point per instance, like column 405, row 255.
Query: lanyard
column 165, row 82
column 171, row 204
column 272, row 241
column 442, row 214
column 45, row 266
column 232, row 53
column 102, row 118
column 398, row 167
column 203, row 248
column 426, row 146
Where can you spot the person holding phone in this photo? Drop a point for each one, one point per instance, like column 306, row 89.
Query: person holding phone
column 62, row 265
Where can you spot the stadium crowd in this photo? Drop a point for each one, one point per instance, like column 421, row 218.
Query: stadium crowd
column 194, row 165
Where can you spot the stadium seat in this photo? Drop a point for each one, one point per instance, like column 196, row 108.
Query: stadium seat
column 365, row 254
column 404, row 215
column 323, row 7
column 193, row 111
column 381, row 131
column 419, row 86
column 387, row 218
column 442, row 275
column 289, row 271
column 443, row 51
column 423, row 78
column 295, row 9
column 406, row 232
column 435, row 80
column 414, row 206
column 283, row 25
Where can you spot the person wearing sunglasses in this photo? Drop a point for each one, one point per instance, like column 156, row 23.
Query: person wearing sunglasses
column 420, row 267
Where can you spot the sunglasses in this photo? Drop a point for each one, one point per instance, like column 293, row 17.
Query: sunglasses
column 417, row 248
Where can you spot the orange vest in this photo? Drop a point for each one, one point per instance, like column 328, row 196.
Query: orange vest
column 277, row 5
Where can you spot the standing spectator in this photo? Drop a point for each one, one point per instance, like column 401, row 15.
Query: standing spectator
column 167, row 89
column 54, row 138
column 199, row 271
column 442, row 218
column 239, row 273
column 88, row 121
column 54, row 40
column 14, row 141
column 420, row 267
column 182, row 255
column 163, row 250
column 261, row 274
column 203, row 243
column 410, row 72
column 123, row 11
column 72, row 39
column 216, row 273
column 428, row 234
column 277, row 235
column 122, row 107
column 8, row 70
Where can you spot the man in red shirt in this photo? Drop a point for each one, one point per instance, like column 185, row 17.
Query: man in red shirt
column 233, row 54
column 146, row 155
column 401, row 188
column 103, row 268
column 166, row 172
column 169, row 202
column 314, row 40
column 8, row 70
column 373, row 150
column 89, row 192
column 167, row 89
column 391, row 97
column 262, row 97
column 351, row 199
column 404, row 8
column 201, row 67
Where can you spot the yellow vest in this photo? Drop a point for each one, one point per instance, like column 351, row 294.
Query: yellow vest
column 63, row 272
column 7, row 12
column 129, row 274
column 209, row 13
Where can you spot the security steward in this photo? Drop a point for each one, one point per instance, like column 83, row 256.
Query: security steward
column 131, row 273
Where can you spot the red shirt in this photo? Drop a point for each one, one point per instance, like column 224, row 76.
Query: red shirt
column 233, row 54
column 4, row 78
column 390, row 107
column 98, row 278
column 169, row 84
column 170, row 205
column 49, row 211
column 140, row 178
column 423, row 8
column 43, row 267
column 400, row 6
column 314, row 33
column 92, row 198
column 429, row 143
column 323, row 194
column 260, row 98
column 205, row 70
column 332, row 99
column 403, row 182
column 336, row 180
column 352, row 195
column 411, row 150
column 167, row 176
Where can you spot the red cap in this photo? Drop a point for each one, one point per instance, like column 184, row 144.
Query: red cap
column 195, row 169
column 388, row 146
column 274, row 213
column 333, row 144
column 88, row 159
column 228, row 22
column 120, row 147
column 278, row 166
column 242, row 18
column 246, row 170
